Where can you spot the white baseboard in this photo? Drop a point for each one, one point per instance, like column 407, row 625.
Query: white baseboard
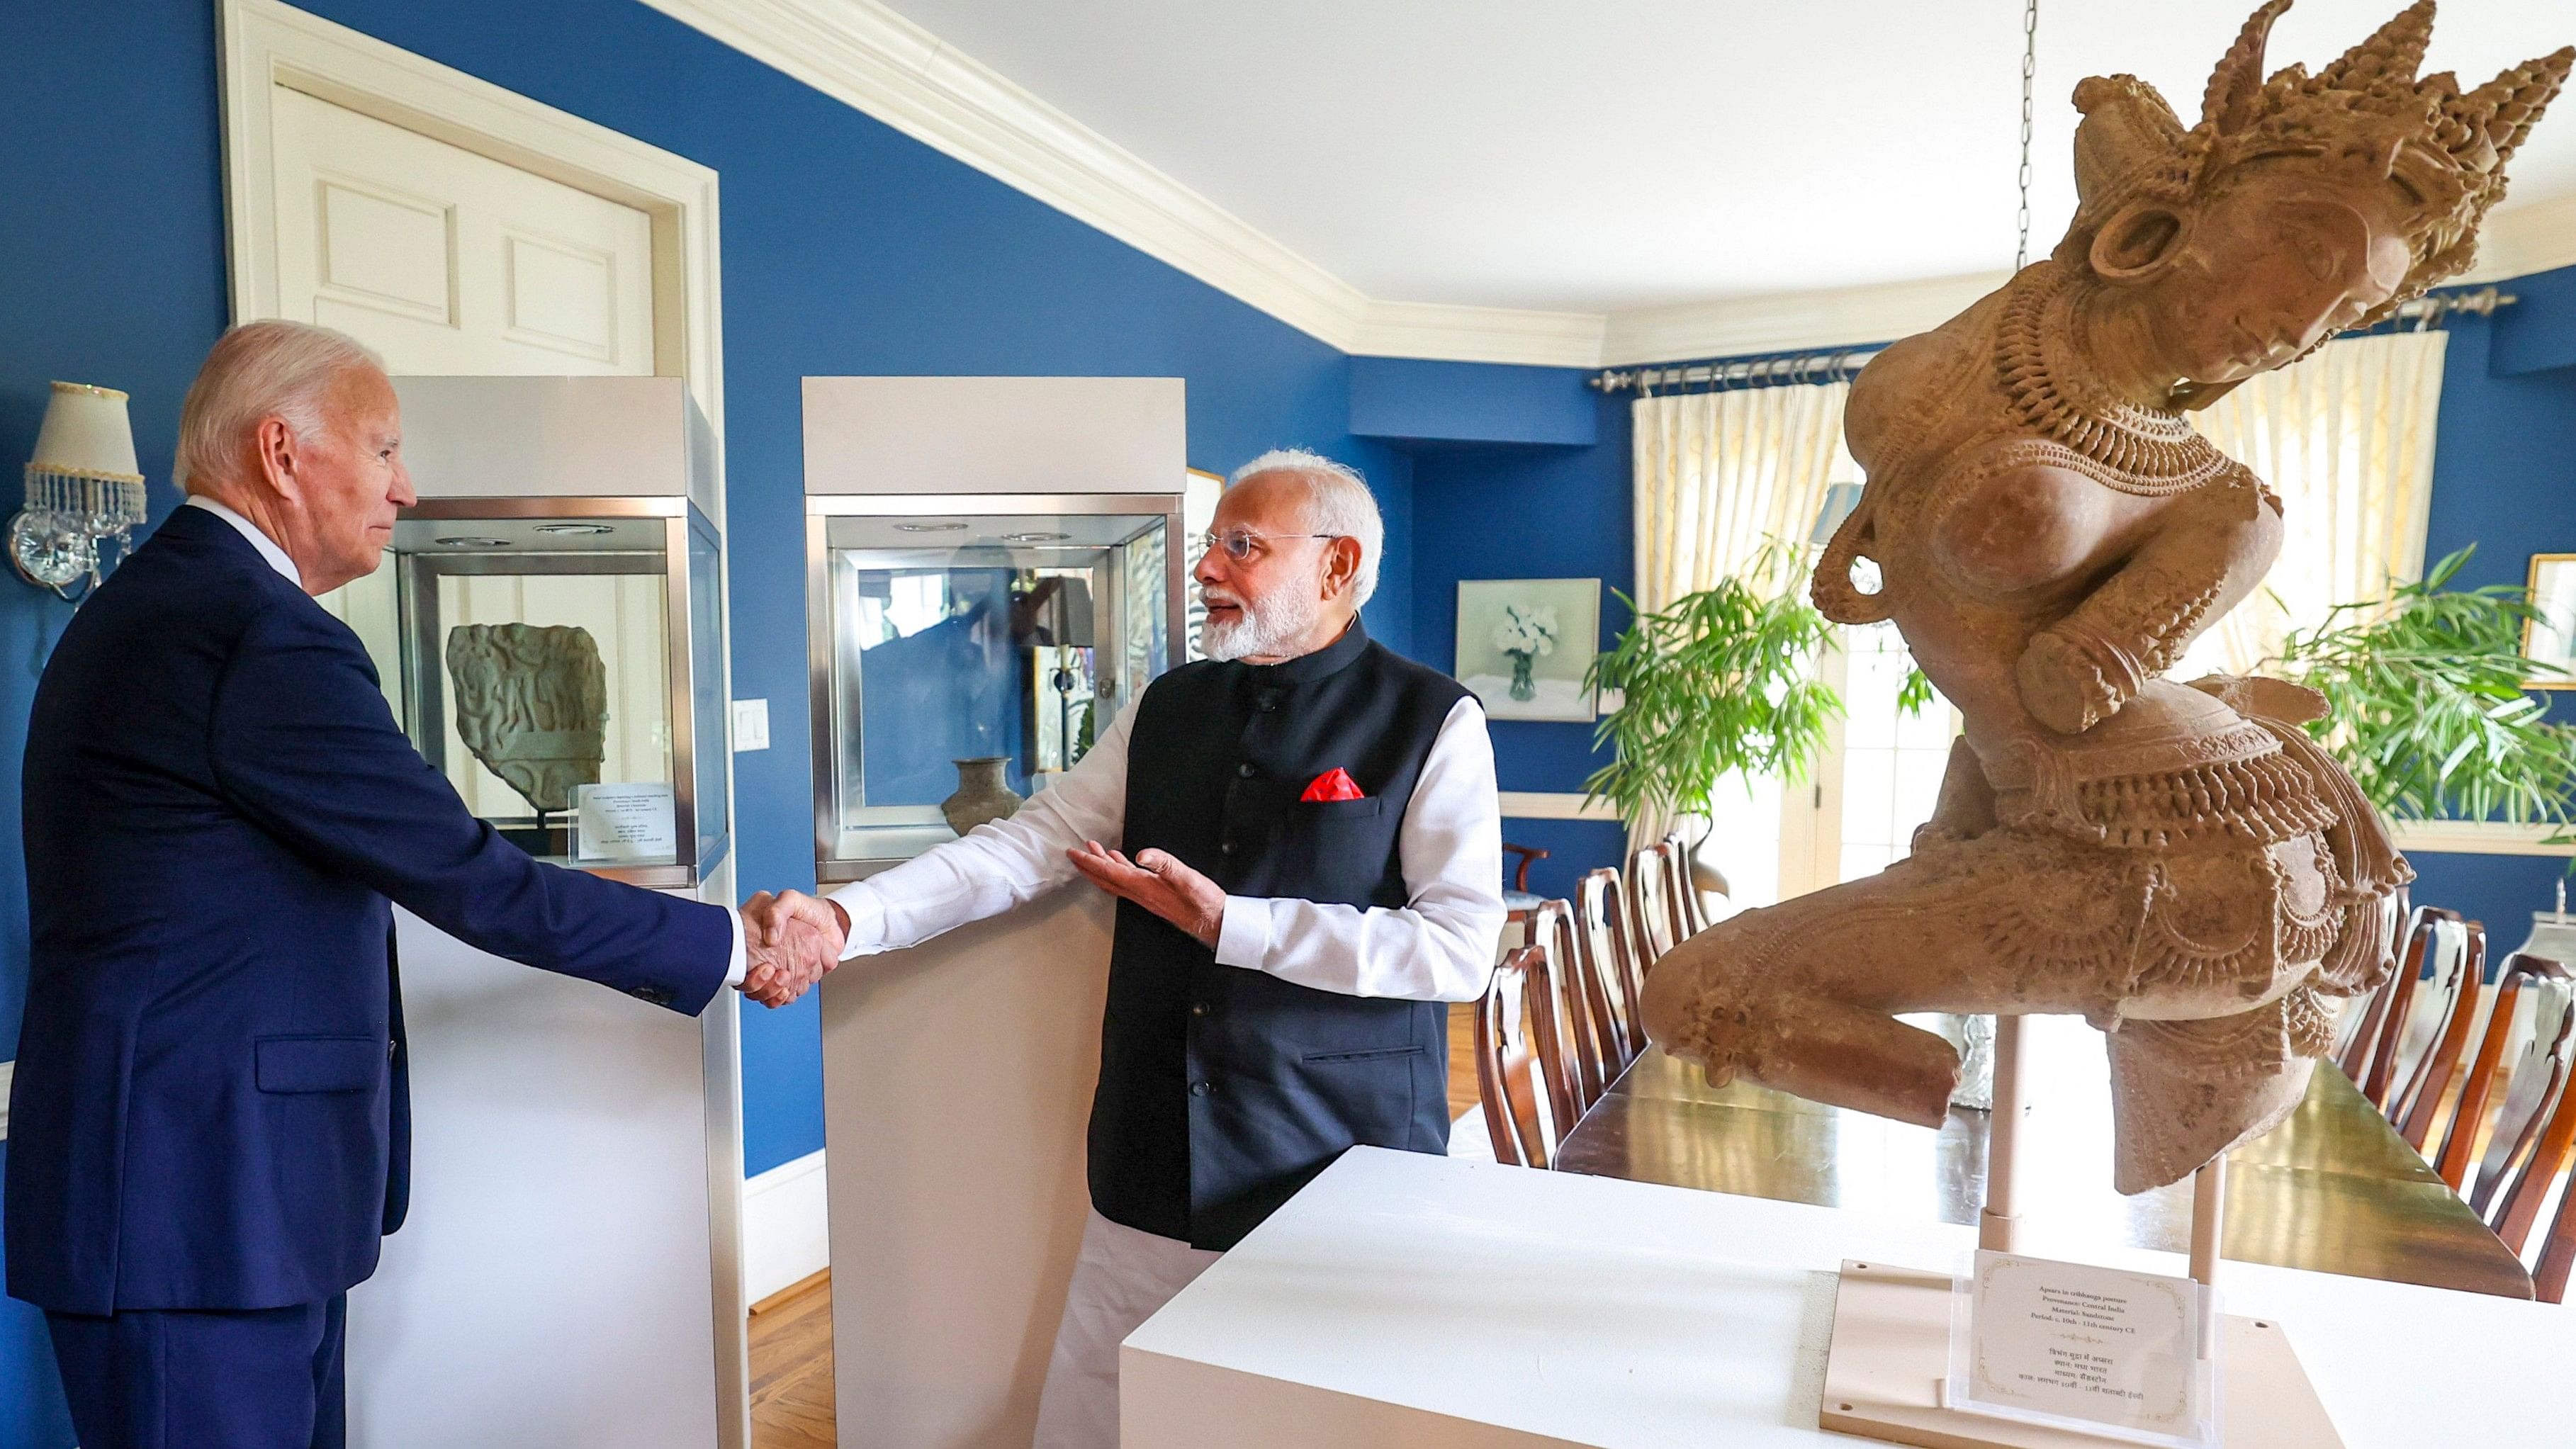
column 785, row 1233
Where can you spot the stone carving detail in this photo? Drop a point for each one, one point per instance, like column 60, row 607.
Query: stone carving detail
column 532, row 704
column 2177, row 863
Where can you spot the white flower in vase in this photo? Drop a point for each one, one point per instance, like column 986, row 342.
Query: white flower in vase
column 1526, row 634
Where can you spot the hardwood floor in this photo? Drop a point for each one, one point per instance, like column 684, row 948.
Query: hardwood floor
column 791, row 1367
column 1462, row 1058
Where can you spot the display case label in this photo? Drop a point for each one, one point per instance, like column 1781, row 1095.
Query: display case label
column 625, row 824
column 2077, row 1341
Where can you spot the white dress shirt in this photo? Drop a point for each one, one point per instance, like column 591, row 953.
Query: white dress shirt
column 279, row 560
column 1438, row 946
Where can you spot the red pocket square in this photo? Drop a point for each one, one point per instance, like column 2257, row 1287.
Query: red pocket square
column 1334, row 784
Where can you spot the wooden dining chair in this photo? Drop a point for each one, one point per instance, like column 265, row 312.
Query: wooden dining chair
column 1654, row 919
column 1590, row 1059
column 2404, row 1036
column 2356, row 1031
column 2557, row 1253
column 1694, row 905
column 2515, row 1210
column 2475, row 1155
column 1601, row 916
column 2415, row 1106
column 1520, row 1061
column 1518, row 900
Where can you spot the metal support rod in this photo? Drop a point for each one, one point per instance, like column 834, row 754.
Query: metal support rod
column 1999, row 1224
column 2208, row 1224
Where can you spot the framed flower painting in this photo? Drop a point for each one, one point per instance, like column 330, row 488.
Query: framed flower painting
column 1524, row 645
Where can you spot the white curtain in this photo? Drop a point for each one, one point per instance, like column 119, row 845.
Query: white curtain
column 2346, row 439
column 1718, row 474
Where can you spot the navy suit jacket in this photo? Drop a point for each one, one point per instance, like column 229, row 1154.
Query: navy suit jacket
column 211, row 1105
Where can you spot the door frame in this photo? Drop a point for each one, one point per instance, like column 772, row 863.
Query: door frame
column 264, row 44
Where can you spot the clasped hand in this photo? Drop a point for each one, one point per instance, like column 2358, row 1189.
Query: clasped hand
column 790, row 941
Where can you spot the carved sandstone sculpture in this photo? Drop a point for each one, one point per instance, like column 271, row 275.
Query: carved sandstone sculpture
column 2177, row 863
column 532, row 704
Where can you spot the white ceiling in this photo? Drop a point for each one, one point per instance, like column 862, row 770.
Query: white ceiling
column 1605, row 155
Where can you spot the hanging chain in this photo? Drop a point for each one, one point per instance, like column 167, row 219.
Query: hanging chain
column 2029, row 64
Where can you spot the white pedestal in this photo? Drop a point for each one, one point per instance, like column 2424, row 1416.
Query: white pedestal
column 957, row 1080
column 1412, row 1300
column 571, row 1270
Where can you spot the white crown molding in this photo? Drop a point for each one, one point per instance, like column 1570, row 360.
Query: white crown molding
column 1479, row 334
column 1784, row 321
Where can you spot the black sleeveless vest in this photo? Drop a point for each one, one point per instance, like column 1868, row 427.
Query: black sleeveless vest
column 1223, row 1090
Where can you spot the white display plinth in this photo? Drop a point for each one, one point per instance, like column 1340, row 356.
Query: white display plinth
column 957, row 1081
column 1404, row 1299
column 571, row 1270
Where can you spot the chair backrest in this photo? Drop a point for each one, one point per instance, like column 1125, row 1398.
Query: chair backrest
column 2418, row 1099
column 1601, row 917
column 2535, row 1131
column 1654, row 926
column 2403, row 1025
column 1591, row 1060
column 2358, row 1036
column 2557, row 1253
column 2529, row 1037
column 1694, row 907
column 1520, row 1061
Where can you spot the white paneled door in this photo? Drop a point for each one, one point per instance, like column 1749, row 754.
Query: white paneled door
column 451, row 262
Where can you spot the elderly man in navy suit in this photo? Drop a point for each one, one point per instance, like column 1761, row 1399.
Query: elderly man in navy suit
column 210, row 1114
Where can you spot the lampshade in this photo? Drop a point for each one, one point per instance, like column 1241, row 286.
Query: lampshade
column 86, row 434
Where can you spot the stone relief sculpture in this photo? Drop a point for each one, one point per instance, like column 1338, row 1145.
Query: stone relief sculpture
column 2178, row 863
column 532, row 704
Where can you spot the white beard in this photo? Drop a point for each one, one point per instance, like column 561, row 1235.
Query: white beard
column 1269, row 627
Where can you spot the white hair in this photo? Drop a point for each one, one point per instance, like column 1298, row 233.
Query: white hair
column 1338, row 502
column 267, row 369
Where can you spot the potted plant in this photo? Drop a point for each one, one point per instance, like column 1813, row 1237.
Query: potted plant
column 2425, row 703
column 1718, row 681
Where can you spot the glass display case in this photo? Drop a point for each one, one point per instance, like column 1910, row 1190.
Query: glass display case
column 559, row 659
column 963, row 641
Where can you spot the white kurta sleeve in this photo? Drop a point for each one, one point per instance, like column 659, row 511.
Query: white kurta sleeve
column 1439, row 945
column 999, row 864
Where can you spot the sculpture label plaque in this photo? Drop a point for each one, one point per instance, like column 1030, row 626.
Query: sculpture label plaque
column 2108, row 1348
column 624, row 824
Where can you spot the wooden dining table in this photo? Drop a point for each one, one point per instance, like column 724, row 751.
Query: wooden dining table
column 2333, row 1188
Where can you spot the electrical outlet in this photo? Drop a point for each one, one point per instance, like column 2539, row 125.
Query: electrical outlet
column 750, row 725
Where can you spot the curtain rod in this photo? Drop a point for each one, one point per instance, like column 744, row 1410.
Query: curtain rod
column 1832, row 366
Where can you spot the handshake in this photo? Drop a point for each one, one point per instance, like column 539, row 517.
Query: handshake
column 790, row 941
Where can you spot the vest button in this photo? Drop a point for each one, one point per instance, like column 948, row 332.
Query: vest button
column 1201, row 1089
column 1198, row 1008
column 1245, row 770
column 1226, row 849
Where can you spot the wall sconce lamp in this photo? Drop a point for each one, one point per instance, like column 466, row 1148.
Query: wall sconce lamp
column 83, row 488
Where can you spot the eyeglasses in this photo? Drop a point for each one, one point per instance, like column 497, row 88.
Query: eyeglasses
column 1238, row 542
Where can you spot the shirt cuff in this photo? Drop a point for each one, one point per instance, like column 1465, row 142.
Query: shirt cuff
column 740, row 965
column 1243, row 936
column 867, row 919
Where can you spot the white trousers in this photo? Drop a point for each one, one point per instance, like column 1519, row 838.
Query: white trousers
column 1119, row 1281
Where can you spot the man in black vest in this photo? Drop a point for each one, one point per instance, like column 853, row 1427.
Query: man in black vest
column 1306, row 842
